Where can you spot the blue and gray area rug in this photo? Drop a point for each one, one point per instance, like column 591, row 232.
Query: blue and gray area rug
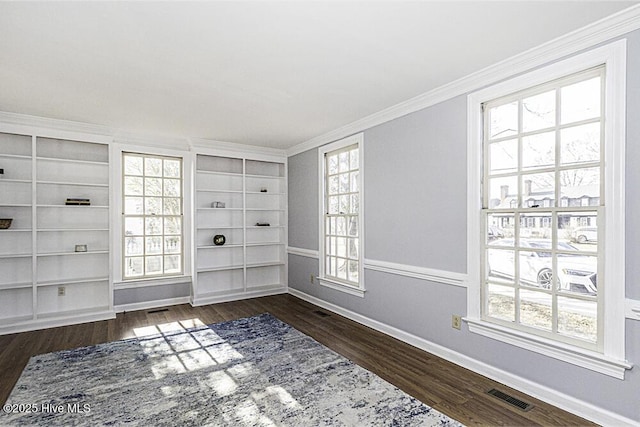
column 256, row 371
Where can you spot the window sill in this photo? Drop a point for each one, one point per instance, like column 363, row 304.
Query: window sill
column 156, row 281
column 580, row 357
column 333, row 284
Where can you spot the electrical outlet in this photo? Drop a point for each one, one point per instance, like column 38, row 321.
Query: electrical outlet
column 456, row 321
column 312, row 279
column 61, row 291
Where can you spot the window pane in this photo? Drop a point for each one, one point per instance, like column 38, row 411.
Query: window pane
column 503, row 193
column 153, row 226
column 503, row 120
column 355, row 203
column 536, row 229
column 501, row 265
column 535, row 309
column 133, row 186
column 344, row 183
column 153, row 265
column 133, row 205
column 503, row 156
column 353, row 226
column 172, row 206
column 578, row 274
column 333, row 164
column 539, row 111
column 172, row 264
column 172, row 245
column 333, row 205
column 536, row 188
column 341, row 226
column 173, row 225
column 133, row 226
column 334, row 184
column 134, row 246
column 343, row 161
column 172, row 168
column 344, row 205
column 153, row 205
column 132, row 165
column 578, row 318
column 152, row 166
column 341, row 243
column 501, row 302
column 539, row 150
column 581, row 187
column 499, row 227
column 355, row 160
column 133, row 266
column 355, row 186
column 342, row 269
column 580, row 144
column 578, row 231
column 333, row 266
column 353, row 271
column 536, row 268
column 153, row 245
column 353, row 249
column 172, row 188
column 580, row 101
column 153, row 187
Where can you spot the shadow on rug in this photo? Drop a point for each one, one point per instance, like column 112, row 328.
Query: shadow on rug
column 256, row 371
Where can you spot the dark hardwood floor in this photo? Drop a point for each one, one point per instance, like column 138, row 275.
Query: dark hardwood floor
column 455, row 391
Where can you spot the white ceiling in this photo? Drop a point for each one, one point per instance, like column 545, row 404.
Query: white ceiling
column 264, row 73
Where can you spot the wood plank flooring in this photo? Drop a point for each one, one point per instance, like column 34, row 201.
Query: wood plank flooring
column 455, row 391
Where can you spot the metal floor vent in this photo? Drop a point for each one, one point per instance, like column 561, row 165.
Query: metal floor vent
column 321, row 313
column 160, row 310
column 521, row 404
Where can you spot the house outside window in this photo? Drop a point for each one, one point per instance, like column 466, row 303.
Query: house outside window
column 152, row 216
column 548, row 148
column 340, row 165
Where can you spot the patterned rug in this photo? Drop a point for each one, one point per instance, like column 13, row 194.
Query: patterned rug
column 256, row 371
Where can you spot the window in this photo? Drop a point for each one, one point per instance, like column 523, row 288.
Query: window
column 341, row 218
column 152, row 216
column 546, row 156
column 544, row 141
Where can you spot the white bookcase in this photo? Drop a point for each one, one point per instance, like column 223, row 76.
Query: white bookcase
column 44, row 277
column 252, row 260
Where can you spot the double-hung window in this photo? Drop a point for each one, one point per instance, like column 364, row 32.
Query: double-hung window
column 152, row 216
column 546, row 165
column 341, row 218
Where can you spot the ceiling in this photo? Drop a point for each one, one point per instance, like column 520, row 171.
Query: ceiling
column 265, row 73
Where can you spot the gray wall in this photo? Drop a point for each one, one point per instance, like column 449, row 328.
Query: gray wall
column 415, row 214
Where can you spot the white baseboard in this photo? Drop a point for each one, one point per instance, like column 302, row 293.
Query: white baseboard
column 52, row 322
column 146, row 305
column 213, row 299
column 546, row 394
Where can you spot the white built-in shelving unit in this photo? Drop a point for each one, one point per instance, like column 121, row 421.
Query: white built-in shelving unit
column 43, row 277
column 252, row 261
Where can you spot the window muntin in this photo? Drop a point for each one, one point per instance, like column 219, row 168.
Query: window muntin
column 152, row 202
column 341, row 215
column 542, row 182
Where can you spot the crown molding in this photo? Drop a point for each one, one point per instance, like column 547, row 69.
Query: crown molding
column 42, row 125
column 586, row 37
column 199, row 144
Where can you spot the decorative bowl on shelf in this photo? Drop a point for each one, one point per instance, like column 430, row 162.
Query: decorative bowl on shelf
column 5, row 223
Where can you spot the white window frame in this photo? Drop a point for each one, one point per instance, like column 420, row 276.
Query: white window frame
column 117, row 237
column 359, row 289
column 611, row 361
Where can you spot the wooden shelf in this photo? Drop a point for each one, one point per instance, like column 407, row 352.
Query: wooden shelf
column 76, row 184
column 72, row 253
column 18, row 285
column 71, row 281
column 63, row 160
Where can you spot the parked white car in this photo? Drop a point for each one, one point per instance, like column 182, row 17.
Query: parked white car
column 584, row 234
column 576, row 273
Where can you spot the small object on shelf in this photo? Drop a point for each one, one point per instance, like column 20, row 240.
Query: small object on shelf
column 263, row 224
column 263, row 190
column 77, row 202
column 1, row 172
column 81, row 248
column 218, row 205
column 5, row 223
column 219, row 240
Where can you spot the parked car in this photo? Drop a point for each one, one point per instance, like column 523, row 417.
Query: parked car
column 584, row 234
column 576, row 273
